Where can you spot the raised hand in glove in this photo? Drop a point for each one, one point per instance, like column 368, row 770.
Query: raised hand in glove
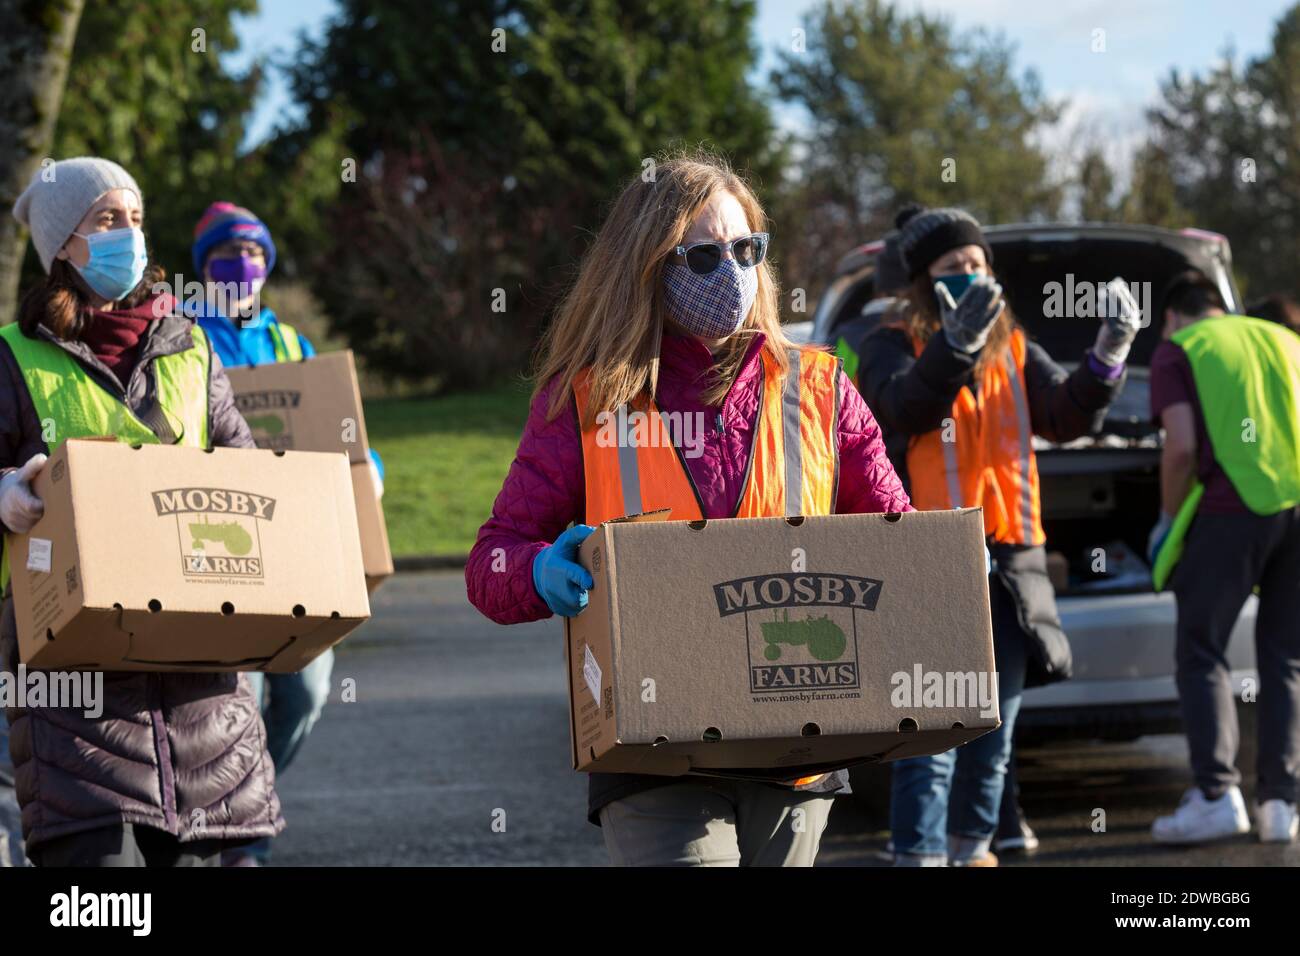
column 1120, row 320
column 968, row 321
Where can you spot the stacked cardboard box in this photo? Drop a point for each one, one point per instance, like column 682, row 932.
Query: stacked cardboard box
column 315, row 405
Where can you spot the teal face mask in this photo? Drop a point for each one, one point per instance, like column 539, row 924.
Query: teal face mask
column 957, row 283
column 117, row 261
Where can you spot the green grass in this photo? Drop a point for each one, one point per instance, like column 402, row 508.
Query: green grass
column 444, row 459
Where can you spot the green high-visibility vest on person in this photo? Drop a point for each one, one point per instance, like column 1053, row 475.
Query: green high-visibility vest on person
column 284, row 339
column 71, row 404
column 1247, row 375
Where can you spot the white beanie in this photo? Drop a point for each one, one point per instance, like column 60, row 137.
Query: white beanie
column 60, row 195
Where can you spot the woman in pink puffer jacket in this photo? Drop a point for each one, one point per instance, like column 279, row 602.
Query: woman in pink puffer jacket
column 674, row 299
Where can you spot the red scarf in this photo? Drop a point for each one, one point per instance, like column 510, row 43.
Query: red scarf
column 114, row 334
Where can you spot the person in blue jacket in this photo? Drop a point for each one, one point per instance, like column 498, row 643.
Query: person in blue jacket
column 234, row 253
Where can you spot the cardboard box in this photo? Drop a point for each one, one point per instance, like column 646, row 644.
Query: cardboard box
column 164, row 558
column 776, row 648
column 312, row 405
column 376, row 557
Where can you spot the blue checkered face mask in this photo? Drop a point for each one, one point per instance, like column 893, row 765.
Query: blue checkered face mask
column 710, row 306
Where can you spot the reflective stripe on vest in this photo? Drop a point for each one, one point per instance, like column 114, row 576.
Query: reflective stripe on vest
column 1247, row 376
column 284, row 339
column 71, row 404
column 632, row 466
column 989, row 458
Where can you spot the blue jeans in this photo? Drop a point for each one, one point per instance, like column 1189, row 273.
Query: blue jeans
column 11, row 825
column 960, row 791
column 295, row 705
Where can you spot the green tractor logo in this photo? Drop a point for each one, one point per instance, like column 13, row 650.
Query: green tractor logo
column 271, row 425
column 230, row 534
column 822, row 636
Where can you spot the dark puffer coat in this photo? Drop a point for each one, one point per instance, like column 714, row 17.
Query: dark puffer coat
column 185, row 753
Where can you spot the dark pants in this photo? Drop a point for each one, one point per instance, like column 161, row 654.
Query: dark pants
column 1224, row 557
column 126, row 845
column 1009, row 814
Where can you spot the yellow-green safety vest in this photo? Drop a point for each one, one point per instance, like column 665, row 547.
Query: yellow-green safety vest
column 284, row 339
column 1247, row 375
column 71, row 404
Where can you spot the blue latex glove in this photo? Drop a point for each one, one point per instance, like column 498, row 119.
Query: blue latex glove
column 1157, row 537
column 560, row 581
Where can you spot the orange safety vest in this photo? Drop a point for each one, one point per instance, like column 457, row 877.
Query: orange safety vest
column 988, row 459
column 632, row 466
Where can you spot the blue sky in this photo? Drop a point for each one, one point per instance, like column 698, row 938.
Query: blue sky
column 1144, row 39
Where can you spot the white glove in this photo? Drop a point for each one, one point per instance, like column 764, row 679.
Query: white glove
column 968, row 321
column 374, row 476
column 19, row 508
column 1121, row 317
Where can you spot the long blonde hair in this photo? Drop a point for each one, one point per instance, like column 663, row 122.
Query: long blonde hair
column 612, row 318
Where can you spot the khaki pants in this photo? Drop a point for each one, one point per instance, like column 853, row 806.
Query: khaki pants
column 722, row 823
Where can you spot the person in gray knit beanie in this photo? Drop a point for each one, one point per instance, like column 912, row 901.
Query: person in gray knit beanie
column 61, row 194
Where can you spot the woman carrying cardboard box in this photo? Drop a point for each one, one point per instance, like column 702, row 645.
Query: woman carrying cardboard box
column 675, row 300
column 175, row 769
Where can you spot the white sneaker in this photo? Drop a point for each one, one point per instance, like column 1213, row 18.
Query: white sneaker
column 1277, row 821
column 1198, row 820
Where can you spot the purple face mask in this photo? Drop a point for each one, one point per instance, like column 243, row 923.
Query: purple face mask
column 243, row 270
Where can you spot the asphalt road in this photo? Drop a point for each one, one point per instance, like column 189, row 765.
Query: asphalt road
column 455, row 752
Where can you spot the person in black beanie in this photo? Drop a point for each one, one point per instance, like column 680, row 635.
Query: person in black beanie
column 888, row 280
column 960, row 391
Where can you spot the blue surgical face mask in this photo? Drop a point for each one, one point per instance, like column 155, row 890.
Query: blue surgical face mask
column 957, row 284
column 117, row 261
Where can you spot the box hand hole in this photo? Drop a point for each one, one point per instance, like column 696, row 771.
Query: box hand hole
column 227, row 607
column 794, row 520
column 908, row 726
column 299, row 611
column 894, row 516
column 711, row 735
column 155, row 605
column 810, row 730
